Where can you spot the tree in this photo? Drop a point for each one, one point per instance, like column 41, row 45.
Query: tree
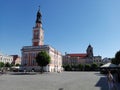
column 74, row 67
column 117, row 57
column 17, row 64
column 7, row 64
column 12, row 64
column 101, row 64
column 67, row 67
column 113, row 60
column 94, row 66
column 116, row 60
column 1, row 64
column 87, row 67
column 80, row 67
column 42, row 59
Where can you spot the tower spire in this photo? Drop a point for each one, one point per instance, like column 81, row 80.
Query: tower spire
column 38, row 17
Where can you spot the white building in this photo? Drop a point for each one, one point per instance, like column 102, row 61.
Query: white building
column 106, row 60
column 29, row 52
column 6, row 58
column 97, row 59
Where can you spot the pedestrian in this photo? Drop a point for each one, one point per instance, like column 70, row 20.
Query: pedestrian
column 110, row 81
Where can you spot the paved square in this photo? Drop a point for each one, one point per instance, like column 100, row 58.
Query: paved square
column 54, row 81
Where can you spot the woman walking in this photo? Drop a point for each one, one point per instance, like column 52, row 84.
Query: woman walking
column 110, row 81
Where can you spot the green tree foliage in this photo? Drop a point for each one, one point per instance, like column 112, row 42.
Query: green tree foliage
column 7, row 64
column 87, row 67
column 117, row 57
column 101, row 64
column 42, row 59
column 80, row 67
column 67, row 67
column 12, row 64
column 74, row 67
column 17, row 64
column 1, row 64
column 94, row 66
column 116, row 60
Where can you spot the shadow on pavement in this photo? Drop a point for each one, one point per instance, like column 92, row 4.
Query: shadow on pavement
column 102, row 83
column 99, row 74
column 60, row 89
column 22, row 73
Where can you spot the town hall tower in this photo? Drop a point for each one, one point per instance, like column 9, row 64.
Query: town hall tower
column 38, row 33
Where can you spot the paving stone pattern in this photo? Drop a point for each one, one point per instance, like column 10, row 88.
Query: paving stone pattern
column 54, row 81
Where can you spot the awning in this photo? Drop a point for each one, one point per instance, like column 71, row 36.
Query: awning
column 109, row 65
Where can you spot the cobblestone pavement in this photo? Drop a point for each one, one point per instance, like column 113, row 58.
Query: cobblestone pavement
column 54, row 81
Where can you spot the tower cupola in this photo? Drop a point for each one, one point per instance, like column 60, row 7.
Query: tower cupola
column 38, row 19
column 89, row 51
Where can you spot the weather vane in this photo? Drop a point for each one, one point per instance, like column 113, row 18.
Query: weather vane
column 39, row 7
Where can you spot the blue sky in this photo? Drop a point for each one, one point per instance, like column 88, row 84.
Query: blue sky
column 69, row 25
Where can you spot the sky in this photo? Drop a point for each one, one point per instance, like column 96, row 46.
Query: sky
column 69, row 25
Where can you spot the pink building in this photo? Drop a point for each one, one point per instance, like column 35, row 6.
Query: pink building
column 29, row 52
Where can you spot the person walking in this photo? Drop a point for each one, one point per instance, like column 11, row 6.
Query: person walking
column 110, row 81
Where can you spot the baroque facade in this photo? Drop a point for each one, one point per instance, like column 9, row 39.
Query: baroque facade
column 29, row 52
column 81, row 58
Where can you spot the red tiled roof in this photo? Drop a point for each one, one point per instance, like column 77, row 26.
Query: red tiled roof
column 78, row 55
